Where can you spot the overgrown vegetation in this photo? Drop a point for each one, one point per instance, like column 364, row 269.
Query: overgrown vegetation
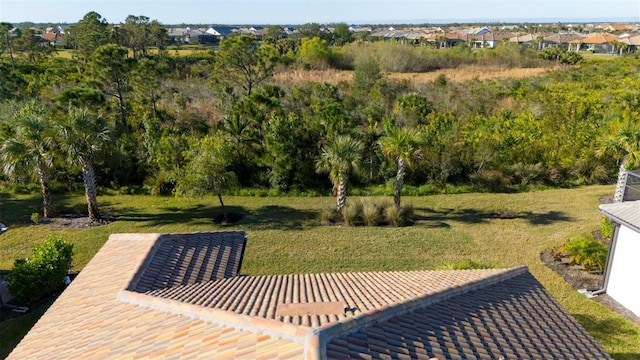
column 159, row 106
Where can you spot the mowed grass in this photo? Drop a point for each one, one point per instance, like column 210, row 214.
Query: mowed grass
column 285, row 236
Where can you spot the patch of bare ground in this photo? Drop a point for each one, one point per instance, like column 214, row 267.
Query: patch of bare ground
column 72, row 222
column 456, row 75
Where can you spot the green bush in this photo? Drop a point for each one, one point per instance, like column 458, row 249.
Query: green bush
column 35, row 218
column 586, row 251
column 32, row 279
column 606, row 227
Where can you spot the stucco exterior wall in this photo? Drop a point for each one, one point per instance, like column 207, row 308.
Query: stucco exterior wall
column 624, row 279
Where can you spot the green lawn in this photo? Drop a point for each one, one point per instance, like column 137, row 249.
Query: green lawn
column 285, row 236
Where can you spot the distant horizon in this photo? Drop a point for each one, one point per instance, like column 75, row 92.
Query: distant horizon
column 297, row 12
column 399, row 22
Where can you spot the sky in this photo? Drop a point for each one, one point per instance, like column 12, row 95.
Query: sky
column 294, row 12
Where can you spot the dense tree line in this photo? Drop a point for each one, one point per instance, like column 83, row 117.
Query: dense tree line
column 126, row 113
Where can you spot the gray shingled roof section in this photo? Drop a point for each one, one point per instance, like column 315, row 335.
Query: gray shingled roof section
column 182, row 259
column 626, row 213
column 513, row 319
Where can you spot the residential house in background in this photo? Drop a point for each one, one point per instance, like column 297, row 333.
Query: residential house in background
column 560, row 40
column 597, row 43
column 187, row 35
column 52, row 38
column 629, row 43
column 485, row 39
column 524, row 39
column 183, row 295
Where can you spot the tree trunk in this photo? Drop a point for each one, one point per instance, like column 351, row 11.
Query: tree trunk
column 341, row 199
column 399, row 182
column 154, row 105
column 123, row 113
column 224, row 209
column 47, row 201
column 90, row 189
column 13, row 62
column 618, row 195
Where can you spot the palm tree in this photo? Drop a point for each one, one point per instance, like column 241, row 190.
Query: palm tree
column 403, row 146
column 624, row 144
column 339, row 157
column 83, row 135
column 26, row 143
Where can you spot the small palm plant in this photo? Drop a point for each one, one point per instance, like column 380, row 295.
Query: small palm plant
column 340, row 157
column 403, row 146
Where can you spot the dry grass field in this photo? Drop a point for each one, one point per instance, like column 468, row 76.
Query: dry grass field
column 460, row 74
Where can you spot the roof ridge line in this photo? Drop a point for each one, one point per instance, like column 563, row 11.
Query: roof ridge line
column 254, row 324
column 134, row 237
column 319, row 338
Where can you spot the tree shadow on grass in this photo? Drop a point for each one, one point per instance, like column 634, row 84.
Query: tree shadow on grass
column 16, row 212
column 440, row 218
column 281, row 217
column 173, row 215
column 547, row 218
column 267, row 217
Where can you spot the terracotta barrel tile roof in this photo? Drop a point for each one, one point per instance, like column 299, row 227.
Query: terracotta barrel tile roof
column 179, row 260
column 180, row 295
column 359, row 293
column 513, row 319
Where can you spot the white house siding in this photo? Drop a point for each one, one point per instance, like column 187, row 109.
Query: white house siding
column 623, row 283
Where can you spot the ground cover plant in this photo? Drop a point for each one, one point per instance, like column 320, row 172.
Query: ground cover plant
column 286, row 236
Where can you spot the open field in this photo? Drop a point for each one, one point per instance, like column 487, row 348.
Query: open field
column 174, row 51
column 460, row 74
column 285, row 236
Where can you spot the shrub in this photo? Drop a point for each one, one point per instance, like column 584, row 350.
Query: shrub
column 369, row 212
column 399, row 216
column 492, row 179
column 35, row 218
column 392, row 215
column 31, row 279
column 586, row 251
column 352, row 213
column 330, row 216
column 606, row 227
column 372, row 212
